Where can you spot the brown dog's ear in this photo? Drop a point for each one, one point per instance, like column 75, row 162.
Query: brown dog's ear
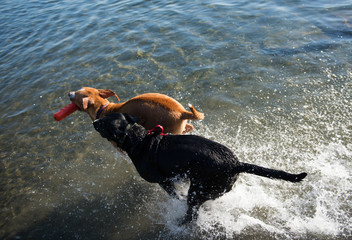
column 86, row 101
column 104, row 93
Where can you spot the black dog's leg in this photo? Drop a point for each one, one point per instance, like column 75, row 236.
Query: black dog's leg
column 195, row 198
column 201, row 192
column 169, row 187
column 192, row 214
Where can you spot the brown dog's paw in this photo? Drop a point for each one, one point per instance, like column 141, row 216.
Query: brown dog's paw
column 188, row 128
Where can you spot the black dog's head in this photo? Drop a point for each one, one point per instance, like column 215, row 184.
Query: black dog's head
column 113, row 126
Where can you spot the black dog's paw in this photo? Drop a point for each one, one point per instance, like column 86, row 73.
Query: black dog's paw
column 182, row 197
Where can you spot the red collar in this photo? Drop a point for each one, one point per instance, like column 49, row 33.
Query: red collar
column 158, row 129
column 101, row 109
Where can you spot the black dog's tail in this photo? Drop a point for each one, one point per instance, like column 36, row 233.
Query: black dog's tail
column 270, row 173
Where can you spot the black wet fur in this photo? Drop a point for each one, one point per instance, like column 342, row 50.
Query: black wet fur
column 211, row 167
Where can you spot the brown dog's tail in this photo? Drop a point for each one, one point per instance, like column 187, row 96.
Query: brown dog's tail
column 193, row 115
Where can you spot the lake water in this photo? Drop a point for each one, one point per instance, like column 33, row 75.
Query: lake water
column 274, row 79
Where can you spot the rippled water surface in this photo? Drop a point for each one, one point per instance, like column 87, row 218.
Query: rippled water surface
column 274, row 79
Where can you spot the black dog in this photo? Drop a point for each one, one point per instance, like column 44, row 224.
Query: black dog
column 211, row 167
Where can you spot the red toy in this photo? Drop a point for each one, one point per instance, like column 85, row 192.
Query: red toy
column 65, row 111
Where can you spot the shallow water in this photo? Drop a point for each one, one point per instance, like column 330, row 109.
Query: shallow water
column 274, row 79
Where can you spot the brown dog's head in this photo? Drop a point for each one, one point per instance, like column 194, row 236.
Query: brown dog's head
column 90, row 99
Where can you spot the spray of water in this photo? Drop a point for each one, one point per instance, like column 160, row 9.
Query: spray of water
column 316, row 138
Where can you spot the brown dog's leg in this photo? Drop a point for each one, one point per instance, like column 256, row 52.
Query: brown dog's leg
column 188, row 128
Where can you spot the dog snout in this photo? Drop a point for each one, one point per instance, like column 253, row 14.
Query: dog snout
column 101, row 128
column 71, row 95
column 97, row 125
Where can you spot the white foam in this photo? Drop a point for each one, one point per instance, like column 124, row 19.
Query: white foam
column 319, row 223
column 329, row 163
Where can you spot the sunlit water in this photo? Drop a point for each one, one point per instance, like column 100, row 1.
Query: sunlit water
column 274, row 79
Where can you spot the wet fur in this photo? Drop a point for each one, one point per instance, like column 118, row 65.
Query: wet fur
column 211, row 167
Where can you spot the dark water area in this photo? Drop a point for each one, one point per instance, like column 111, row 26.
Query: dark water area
column 273, row 78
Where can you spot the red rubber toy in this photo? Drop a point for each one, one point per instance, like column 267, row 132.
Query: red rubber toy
column 71, row 108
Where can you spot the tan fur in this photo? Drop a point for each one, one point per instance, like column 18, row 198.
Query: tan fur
column 151, row 108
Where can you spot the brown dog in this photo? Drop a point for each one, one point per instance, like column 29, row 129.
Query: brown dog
column 151, row 108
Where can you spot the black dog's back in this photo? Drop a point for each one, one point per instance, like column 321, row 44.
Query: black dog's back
column 205, row 157
column 194, row 154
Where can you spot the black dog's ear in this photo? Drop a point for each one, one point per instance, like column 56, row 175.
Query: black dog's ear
column 131, row 119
